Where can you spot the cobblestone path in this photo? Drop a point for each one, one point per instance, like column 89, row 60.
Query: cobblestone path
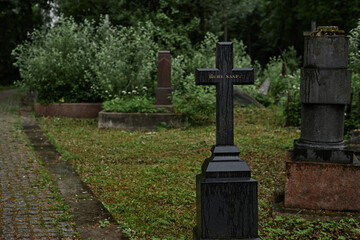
column 28, row 206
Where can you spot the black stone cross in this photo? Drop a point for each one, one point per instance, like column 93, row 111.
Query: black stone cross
column 224, row 76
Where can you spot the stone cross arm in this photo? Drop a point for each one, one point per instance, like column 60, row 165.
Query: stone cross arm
column 213, row 76
column 224, row 76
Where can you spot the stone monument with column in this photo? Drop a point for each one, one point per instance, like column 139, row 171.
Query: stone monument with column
column 321, row 173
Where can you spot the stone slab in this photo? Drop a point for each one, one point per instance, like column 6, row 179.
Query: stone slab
column 139, row 121
column 244, row 99
column 72, row 110
column 322, row 186
column 264, row 87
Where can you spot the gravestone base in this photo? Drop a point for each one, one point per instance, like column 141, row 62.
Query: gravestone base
column 322, row 186
column 330, row 153
column 227, row 208
column 140, row 121
column 170, row 108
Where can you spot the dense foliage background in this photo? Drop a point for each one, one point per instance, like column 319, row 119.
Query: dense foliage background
column 267, row 27
column 86, row 56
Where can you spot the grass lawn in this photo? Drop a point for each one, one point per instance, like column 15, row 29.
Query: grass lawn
column 147, row 179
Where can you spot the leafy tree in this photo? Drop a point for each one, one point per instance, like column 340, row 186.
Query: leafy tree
column 283, row 22
column 17, row 19
column 227, row 17
column 177, row 21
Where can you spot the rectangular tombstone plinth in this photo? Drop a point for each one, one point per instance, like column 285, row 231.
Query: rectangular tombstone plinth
column 322, row 186
column 227, row 208
column 322, row 153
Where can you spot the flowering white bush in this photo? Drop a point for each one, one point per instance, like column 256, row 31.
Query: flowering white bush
column 82, row 62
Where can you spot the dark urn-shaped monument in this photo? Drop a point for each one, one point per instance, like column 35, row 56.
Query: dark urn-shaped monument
column 226, row 194
column 320, row 172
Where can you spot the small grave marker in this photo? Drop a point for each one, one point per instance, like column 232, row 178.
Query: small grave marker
column 226, row 193
column 163, row 89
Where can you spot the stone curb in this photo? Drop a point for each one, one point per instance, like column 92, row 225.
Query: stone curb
column 88, row 211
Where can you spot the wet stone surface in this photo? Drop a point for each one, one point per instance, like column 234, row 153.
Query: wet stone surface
column 27, row 209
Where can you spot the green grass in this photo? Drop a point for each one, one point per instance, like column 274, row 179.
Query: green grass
column 147, row 179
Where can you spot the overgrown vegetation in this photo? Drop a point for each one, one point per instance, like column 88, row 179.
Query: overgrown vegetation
column 353, row 121
column 86, row 62
column 91, row 62
column 147, row 179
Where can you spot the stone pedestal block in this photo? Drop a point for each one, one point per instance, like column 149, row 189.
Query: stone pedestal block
column 227, row 208
column 328, row 153
column 325, row 86
column 326, row 52
column 226, row 197
column 322, row 186
column 322, row 123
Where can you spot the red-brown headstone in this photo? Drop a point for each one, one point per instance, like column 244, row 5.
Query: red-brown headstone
column 163, row 90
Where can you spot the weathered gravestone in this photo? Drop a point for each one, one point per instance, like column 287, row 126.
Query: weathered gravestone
column 321, row 173
column 163, row 89
column 226, row 194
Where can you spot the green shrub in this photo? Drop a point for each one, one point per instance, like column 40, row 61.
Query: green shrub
column 284, row 90
column 87, row 63
column 352, row 121
column 354, row 47
column 126, row 58
column 55, row 60
column 136, row 101
column 198, row 102
column 291, row 59
column 292, row 112
column 136, row 104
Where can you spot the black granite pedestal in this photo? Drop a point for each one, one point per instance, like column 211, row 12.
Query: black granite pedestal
column 226, row 198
